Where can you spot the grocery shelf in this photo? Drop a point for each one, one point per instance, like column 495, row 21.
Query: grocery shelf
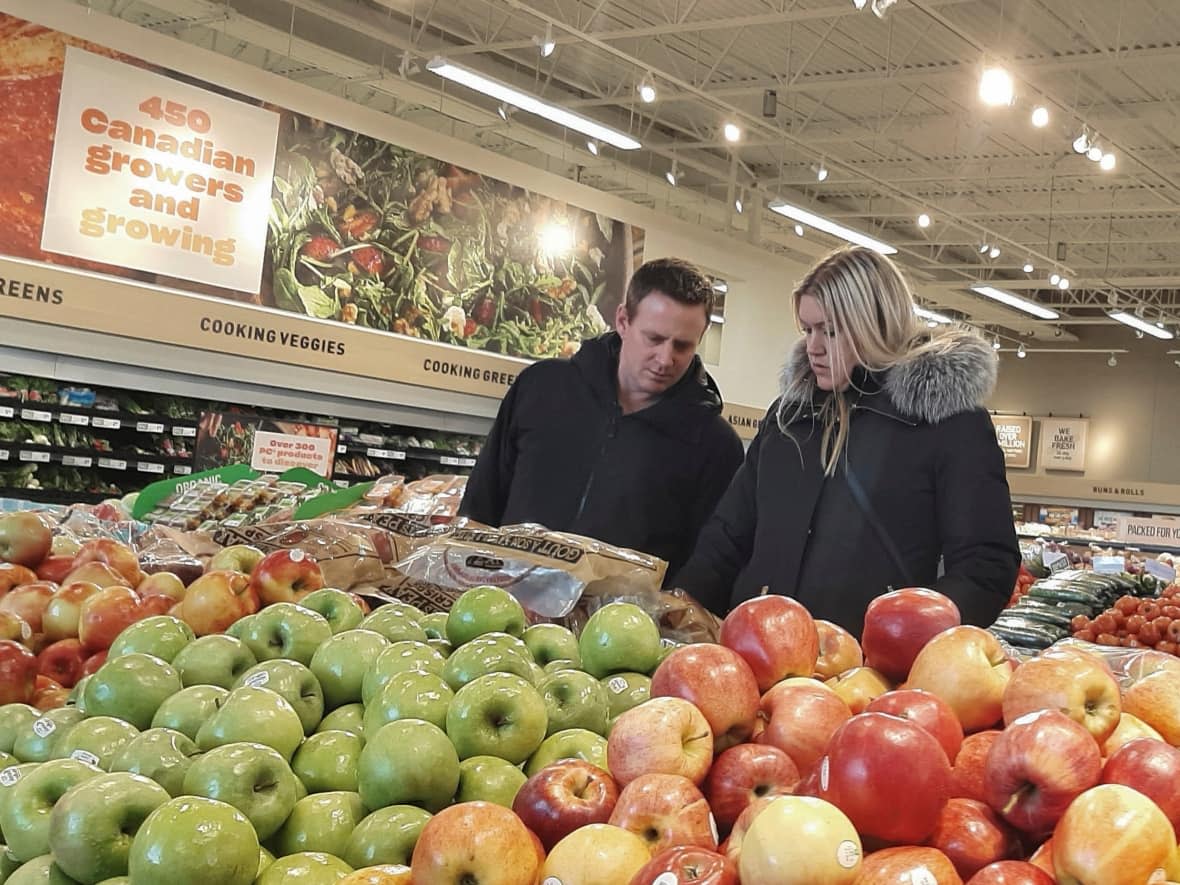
column 99, row 419
column 1086, row 542
column 384, row 453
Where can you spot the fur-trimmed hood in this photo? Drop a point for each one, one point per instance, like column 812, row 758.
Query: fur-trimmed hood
column 951, row 371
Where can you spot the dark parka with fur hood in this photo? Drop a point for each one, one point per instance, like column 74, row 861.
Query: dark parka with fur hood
column 921, row 449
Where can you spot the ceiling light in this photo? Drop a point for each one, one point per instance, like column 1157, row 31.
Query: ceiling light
column 1129, row 319
column 545, row 44
column 1094, row 153
column 821, row 172
column 1028, row 267
column 504, row 110
column 1081, row 144
column 996, row 87
column 983, row 247
column 1159, row 324
column 1063, row 283
column 993, row 252
column 1040, row 116
column 1021, row 353
column 1031, row 307
column 799, row 233
column 527, row 102
column 673, row 175
column 1108, row 161
column 996, row 343
column 860, row 4
column 828, row 226
column 880, row 7
column 732, row 132
column 647, row 89
column 592, row 147
column 923, row 220
column 1054, row 279
column 737, row 204
column 932, row 316
column 1113, row 361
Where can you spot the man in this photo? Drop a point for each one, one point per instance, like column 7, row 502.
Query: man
column 625, row 442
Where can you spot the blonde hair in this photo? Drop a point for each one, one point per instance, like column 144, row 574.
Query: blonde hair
column 867, row 300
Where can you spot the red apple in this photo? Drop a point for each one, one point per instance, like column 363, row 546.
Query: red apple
column 718, row 682
column 665, row 810
column 872, row 773
column 55, row 568
column 1151, row 767
column 1042, row 858
column 118, row 556
column 217, row 599
column 927, row 711
column 1155, row 699
column 1011, row 872
column 97, row 573
column 732, row 846
column 361, row 601
column 838, row 650
column 859, row 687
column 1079, row 685
column 970, row 764
column 966, row 667
column 1129, row 728
column 28, row 601
column 475, row 842
column 13, row 575
column 1113, row 835
column 775, row 635
column 105, row 615
column 801, row 716
column 564, row 796
column 161, row 584
column 18, row 673
column 660, row 736
column 907, row 865
column 25, row 538
column 285, row 576
column 744, row 773
column 154, row 605
column 687, row 864
column 14, row 627
column 50, row 698
column 95, row 661
column 62, row 661
column 64, row 610
column 899, row 624
column 972, row 835
column 1037, row 766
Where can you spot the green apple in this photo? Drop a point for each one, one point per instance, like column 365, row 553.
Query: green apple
column 626, row 690
column 189, row 709
column 162, row 636
column 78, row 692
column 510, row 643
column 348, row 718
column 320, row 822
column 326, row 761
column 7, row 759
column 306, row 868
column 573, row 743
column 131, row 687
column 25, row 822
column 194, row 841
column 387, row 836
column 96, row 740
column 93, row 824
column 239, row 627
column 13, row 719
column 434, row 625
column 408, row 762
column 237, row 558
column 116, row 880
column 161, row 754
column 40, row 871
column 667, row 646
column 36, row 741
column 499, row 714
column 574, row 699
column 286, row 630
column 396, row 621
column 441, row 646
column 10, row 776
column 341, row 662
column 295, row 682
column 413, row 694
column 559, row 664
column 213, row 660
column 552, row 642
column 398, row 658
column 619, row 638
column 482, row 656
column 253, row 714
column 8, row 865
column 265, row 859
column 251, row 777
column 483, row 610
column 341, row 611
column 489, row 779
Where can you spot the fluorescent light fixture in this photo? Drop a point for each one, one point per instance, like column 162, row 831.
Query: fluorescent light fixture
column 732, row 132
column 1141, row 325
column 932, row 316
column 996, row 87
column 1028, row 267
column 1040, row 116
column 804, row 216
column 1016, row 301
column 647, row 89
column 526, row 102
column 923, row 220
column 1108, row 161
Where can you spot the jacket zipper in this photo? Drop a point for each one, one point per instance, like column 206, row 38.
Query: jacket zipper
column 611, row 428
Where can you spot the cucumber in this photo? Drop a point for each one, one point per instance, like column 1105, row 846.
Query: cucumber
column 1047, row 614
column 1017, row 622
column 1066, row 593
column 1031, row 639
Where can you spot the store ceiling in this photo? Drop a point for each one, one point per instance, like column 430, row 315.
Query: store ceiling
column 888, row 105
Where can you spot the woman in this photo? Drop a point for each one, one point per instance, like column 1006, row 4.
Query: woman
column 876, row 468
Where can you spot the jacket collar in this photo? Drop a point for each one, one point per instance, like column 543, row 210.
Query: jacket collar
column 945, row 374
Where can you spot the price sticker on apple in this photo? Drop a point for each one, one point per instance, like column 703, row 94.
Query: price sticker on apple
column 76, row 461
column 84, row 756
column 36, row 415
column 149, row 427
column 825, row 773
column 44, row 727
column 76, row 420
column 257, row 680
column 617, row 684
column 107, row 423
column 10, row 775
column 848, row 854
column 184, row 431
column 36, row 457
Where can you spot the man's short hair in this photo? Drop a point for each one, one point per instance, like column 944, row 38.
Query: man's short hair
column 680, row 280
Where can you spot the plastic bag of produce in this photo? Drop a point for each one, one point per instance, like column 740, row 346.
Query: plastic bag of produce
column 345, row 552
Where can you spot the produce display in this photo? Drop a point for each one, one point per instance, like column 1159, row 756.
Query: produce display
column 245, row 723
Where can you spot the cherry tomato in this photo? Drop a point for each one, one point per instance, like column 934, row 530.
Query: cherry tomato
column 319, row 248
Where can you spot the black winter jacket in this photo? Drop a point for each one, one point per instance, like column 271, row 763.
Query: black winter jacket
column 562, row 454
column 923, row 452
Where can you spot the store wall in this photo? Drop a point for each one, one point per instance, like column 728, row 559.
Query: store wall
column 1134, row 407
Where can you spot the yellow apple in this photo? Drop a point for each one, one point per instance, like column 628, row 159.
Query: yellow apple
column 598, row 854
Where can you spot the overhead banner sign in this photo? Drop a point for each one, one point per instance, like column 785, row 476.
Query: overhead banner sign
column 1158, row 531
column 1063, row 443
column 153, row 174
column 745, row 420
column 1014, row 433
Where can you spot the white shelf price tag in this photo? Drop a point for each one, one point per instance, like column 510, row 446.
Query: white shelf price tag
column 112, row 463
column 342, row 483
column 149, row 427
column 76, row 461
column 36, row 415
column 341, row 448
column 448, row 461
column 106, row 423
column 182, row 469
column 386, row 454
column 184, row 431
column 36, row 457
column 7, row 412
column 3, row 454
column 76, row 420
column 149, row 467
